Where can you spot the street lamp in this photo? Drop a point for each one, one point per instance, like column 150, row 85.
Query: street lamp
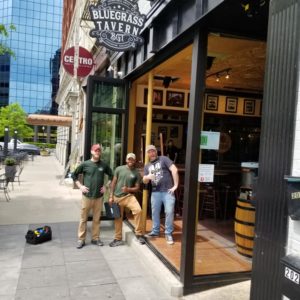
column 6, row 138
column 15, row 139
column 43, row 128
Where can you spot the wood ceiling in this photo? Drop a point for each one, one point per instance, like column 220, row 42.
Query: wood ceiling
column 244, row 58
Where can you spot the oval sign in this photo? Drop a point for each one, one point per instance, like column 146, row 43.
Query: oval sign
column 85, row 61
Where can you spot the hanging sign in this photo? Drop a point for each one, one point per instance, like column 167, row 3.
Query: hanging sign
column 117, row 24
column 85, row 61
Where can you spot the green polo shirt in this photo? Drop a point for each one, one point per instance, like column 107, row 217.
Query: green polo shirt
column 125, row 177
column 93, row 176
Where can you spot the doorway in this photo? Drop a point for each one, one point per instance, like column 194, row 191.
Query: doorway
column 233, row 104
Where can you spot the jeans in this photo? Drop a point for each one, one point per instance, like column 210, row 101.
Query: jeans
column 157, row 199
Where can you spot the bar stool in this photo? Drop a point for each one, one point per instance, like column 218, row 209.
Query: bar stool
column 210, row 202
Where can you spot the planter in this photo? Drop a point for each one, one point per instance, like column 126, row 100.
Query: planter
column 10, row 172
column 44, row 153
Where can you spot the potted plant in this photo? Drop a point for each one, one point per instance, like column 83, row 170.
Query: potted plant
column 44, row 152
column 10, row 168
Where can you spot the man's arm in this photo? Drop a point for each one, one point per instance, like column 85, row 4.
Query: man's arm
column 112, row 189
column 147, row 177
column 75, row 174
column 175, row 176
column 131, row 190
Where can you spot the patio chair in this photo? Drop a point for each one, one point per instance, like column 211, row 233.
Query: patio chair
column 3, row 186
column 18, row 174
column 10, row 173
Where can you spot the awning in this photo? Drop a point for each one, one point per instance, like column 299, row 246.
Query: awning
column 49, row 120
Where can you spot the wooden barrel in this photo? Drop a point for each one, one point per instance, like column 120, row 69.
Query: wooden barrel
column 244, row 227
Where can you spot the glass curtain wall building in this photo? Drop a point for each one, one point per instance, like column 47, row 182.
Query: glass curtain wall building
column 35, row 42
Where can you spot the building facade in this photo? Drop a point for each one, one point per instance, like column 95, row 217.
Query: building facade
column 214, row 66
column 35, row 41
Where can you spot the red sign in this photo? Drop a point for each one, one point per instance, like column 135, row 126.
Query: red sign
column 85, row 61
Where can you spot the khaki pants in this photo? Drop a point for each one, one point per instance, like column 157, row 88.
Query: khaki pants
column 86, row 205
column 130, row 202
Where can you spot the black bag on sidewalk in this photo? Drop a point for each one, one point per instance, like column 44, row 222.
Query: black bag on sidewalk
column 39, row 235
column 112, row 211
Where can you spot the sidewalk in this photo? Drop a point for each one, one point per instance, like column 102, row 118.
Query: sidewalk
column 57, row 270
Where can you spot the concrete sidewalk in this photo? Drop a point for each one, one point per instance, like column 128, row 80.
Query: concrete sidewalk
column 57, row 270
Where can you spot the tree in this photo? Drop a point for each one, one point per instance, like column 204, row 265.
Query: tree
column 4, row 32
column 14, row 117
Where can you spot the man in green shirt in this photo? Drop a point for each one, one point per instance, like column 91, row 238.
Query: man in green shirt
column 125, row 183
column 92, row 189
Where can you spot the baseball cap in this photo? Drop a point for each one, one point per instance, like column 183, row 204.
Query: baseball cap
column 96, row 147
column 130, row 155
column 150, row 147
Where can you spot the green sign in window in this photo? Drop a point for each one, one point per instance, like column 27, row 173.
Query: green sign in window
column 204, row 140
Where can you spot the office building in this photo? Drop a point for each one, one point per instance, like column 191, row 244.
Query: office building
column 27, row 79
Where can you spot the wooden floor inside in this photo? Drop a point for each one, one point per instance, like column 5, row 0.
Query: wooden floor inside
column 215, row 247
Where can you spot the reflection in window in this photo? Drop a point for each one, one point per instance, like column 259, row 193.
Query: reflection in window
column 107, row 130
column 34, row 47
column 108, row 95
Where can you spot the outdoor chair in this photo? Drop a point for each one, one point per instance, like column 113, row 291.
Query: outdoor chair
column 18, row 174
column 4, row 186
column 10, row 174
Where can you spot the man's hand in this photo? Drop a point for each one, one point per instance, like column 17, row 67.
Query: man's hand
column 84, row 189
column 148, row 177
column 172, row 190
column 110, row 200
column 102, row 189
column 124, row 189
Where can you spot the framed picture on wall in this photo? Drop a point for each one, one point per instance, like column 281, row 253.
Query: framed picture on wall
column 174, row 132
column 164, row 131
column 231, row 104
column 175, row 99
column 157, row 97
column 249, row 107
column 212, row 102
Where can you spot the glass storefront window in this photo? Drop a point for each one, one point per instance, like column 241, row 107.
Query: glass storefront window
column 107, row 131
column 108, row 95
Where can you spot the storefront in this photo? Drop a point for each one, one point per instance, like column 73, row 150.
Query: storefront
column 190, row 49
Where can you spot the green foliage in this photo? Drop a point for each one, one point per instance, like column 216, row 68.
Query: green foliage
column 14, row 117
column 10, row 161
column 4, row 32
column 44, row 145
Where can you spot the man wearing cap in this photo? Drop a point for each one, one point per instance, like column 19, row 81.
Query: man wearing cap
column 125, row 183
column 163, row 175
column 92, row 189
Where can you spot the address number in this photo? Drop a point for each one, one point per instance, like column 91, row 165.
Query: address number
column 291, row 275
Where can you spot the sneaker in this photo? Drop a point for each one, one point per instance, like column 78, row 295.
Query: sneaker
column 97, row 242
column 152, row 235
column 140, row 239
column 116, row 243
column 169, row 239
column 80, row 244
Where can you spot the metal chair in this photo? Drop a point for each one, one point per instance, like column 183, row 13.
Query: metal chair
column 3, row 186
column 18, row 174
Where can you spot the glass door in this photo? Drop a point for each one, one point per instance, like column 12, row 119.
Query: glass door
column 106, row 116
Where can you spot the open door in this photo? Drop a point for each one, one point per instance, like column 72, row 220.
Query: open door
column 106, row 118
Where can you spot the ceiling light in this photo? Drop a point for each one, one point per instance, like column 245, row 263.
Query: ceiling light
column 217, row 78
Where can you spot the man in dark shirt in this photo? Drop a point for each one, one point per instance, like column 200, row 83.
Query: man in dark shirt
column 163, row 175
column 92, row 189
column 125, row 184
